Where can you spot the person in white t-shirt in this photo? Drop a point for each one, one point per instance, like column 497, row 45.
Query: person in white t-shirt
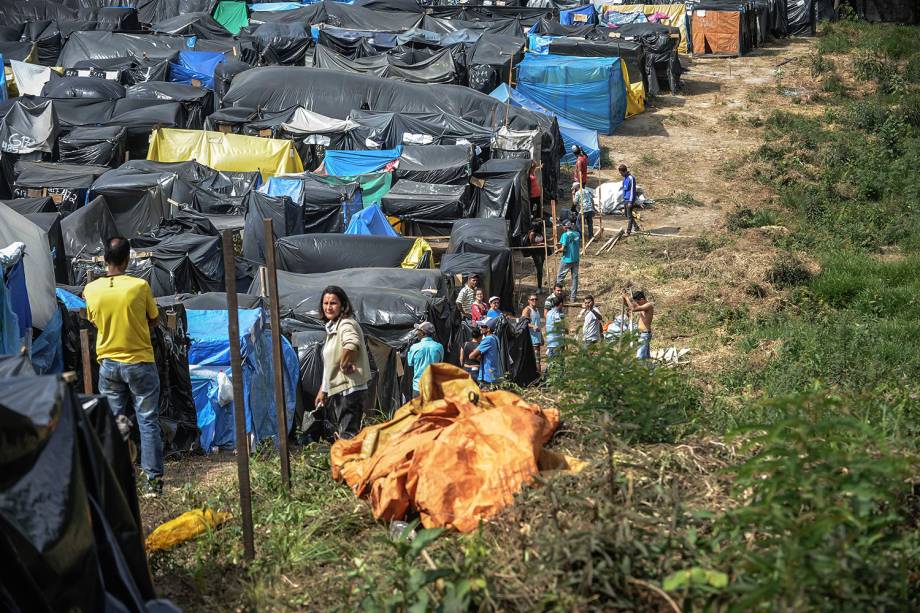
column 591, row 328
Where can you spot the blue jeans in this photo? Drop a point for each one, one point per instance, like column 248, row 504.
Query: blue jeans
column 645, row 339
column 564, row 269
column 121, row 383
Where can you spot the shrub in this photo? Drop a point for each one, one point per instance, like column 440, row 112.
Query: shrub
column 822, row 528
column 912, row 68
column 787, row 271
column 645, row 404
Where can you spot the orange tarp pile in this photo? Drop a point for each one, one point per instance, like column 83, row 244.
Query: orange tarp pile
column 455, row 455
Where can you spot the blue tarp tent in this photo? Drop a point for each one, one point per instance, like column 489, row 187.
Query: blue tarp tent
column 371, row 221
column 349, row 163
column 589, row 92
column 578, row 16
column 209, row 355
column 537, row 43
column 571, row 134
column 195, row 65
column 292, row 187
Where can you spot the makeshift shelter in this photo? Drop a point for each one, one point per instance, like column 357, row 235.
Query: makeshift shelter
column 387, row 130
column 487, row 237
column 504, row 193
column 720, row 27
column 286, row 216
column 800, row 17
column 370, row 221
column 325, row 206
column 283, row 44
column 442, row 164
column 309, row 253
column 86, row 229
column 411, row 66
column 27, row 128
column 209, row 365
column 589, row 92
column 492, row 59
column 195, row 68
column 31, row 205
column 231, row 152
column 232, row 15
column 70, row 478
column 426, row 209
column 66, row 184
column 197, row 24
column 459, row 266
column 50, row 224
column 676, row 16
column 103, row 146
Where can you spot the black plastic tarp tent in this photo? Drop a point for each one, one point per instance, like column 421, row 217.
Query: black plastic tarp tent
column 104, row 146
column 488, row 237
column 66, row 184
column 426, row 209
column 505, row 194
column 443, row 164
column 387, row 130
column 309, row 253
column 86, row 229
column 50, row 223
column 286, row 216
column 30, row 205
column 435, row 68
column 201, row 25
column 71, row 536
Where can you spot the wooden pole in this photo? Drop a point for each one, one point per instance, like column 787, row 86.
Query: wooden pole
column 277, row 360
column 87, row 362
column 236, row 367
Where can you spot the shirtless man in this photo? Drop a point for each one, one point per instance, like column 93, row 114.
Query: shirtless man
column 637, row 303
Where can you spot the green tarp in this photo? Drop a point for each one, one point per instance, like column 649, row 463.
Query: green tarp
column 374, row 186
column 232, row 15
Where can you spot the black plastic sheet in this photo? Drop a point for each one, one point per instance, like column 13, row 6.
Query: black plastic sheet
column 103, row 146
column 505, row 194
column 24, row 206
column 286, row 216
column 465, row 264
column 410, row 200
column 109, row 45
column 83, row 87
column 309, row 253
column 487, row 237
column 86, row 229
column 197, row 102
column 388, row 130
column 71, row 534
column 27, row 128
column 282, row 44
column 66, row 184
column 800, row 17
column 443, row 164
column 131, row 70
column 201, row 25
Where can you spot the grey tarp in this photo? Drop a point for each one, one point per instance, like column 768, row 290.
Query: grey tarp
column 27, row 128
column 286, row 216
column 50, row 223
column 31, row 205
column 39, row 268
column 107, row 45
column 437, row 68
column 410, row 200
column 201, row 25
column 102, row 146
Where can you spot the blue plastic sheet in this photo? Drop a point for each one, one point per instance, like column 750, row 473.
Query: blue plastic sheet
column 589, row 92
column 273, row 7
column 614, row 17
column 195, row 65
column 19, row 297
column 291, row 187
column 209, row 355
column 587, row 139
column 48, row 350
column 539, row 44
column 71, row 302
column 347, row 163
column 578, row 16
column 371, row 221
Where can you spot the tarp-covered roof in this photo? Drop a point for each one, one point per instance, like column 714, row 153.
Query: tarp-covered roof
column 309, row 253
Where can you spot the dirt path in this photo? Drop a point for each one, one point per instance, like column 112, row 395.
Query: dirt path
column 679, row 150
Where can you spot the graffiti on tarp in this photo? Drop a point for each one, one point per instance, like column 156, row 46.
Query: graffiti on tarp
column 18, row 143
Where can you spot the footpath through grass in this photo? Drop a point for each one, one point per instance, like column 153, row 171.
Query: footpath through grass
column 790, row 487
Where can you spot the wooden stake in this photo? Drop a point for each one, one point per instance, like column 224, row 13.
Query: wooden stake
column 87, row 362
column 277, row 360
column 236, row 367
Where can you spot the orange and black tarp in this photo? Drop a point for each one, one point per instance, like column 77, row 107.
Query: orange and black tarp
column 716, row 32
column 455, row 455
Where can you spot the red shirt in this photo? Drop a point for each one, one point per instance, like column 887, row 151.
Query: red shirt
column 581, row 169
column 534, row 186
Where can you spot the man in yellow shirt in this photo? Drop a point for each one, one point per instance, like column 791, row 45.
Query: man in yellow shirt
column 121, row 308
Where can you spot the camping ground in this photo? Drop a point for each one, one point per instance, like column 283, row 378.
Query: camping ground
column 776, row 469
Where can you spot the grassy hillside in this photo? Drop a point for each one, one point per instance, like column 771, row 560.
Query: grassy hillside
column 784, row 482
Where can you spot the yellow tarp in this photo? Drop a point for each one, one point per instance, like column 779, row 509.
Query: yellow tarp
column 635, row 94
column 184, row 528
column 416, row 255
column 228, row 152
column 676, row 13
column 456, row 455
